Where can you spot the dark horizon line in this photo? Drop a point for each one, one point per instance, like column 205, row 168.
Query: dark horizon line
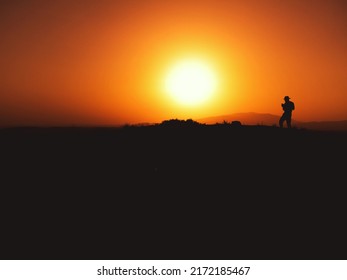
column 156, row 123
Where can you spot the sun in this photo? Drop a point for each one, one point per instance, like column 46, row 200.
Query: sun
column 191, row 82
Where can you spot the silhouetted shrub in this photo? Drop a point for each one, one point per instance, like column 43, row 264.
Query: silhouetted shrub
column 236, row 123
column 179, row 123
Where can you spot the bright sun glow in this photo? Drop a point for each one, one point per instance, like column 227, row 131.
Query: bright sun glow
column 191, row 82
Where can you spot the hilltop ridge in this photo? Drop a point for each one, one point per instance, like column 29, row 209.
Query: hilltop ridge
column 253, row 118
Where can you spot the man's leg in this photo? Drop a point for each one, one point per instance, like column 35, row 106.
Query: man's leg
column 281, row 121
column 289, row 122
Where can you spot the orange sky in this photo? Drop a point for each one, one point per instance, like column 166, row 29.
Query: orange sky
column 104, row 62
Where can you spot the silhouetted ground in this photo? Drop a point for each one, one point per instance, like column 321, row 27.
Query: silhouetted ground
column 178, row 190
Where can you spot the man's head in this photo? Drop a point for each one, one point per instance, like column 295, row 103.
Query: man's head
column 286, row 98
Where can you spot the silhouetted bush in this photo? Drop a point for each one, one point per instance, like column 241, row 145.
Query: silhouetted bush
column 236, row 123
column 180, row 123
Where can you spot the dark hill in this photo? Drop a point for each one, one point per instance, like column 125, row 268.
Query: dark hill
column 249, row 118
column 178, row 190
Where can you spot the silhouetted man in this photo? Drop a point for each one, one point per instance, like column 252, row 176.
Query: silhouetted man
column 288, row 107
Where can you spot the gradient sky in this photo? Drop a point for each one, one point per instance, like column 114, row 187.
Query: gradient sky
column 104, row 62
